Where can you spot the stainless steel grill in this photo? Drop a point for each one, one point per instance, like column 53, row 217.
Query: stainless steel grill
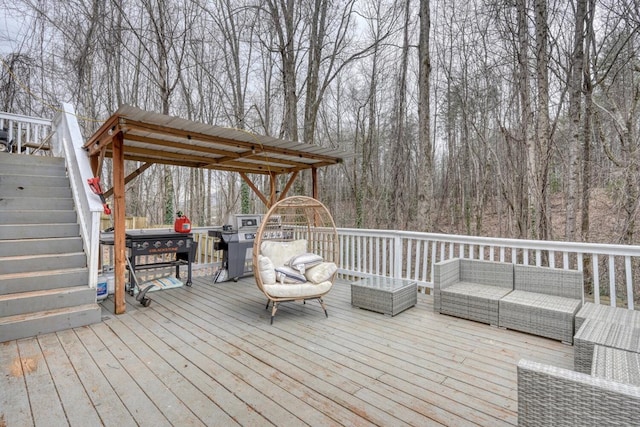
column 236, row 242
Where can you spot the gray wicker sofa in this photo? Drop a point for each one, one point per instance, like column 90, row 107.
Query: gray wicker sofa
column 537, row 300
column 471, row 289
column 544, row 302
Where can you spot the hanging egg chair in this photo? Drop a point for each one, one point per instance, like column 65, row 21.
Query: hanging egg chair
column 295, row 253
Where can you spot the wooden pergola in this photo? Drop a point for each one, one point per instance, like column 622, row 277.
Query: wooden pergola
column 146, row 137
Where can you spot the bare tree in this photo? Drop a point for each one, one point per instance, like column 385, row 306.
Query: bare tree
column 399, row 144
column 575, row 110
column 425, row 163
column 542, row 228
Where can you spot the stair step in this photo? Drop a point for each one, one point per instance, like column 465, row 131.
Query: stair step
column 29, row 190
column 43, row 280
column 43, row 268
column 35, row 203
column 34, row 165
column 34, row 324
column 29, row 263
column 39, row 170
column 23, row 159
column 46, row 300
column 28, row 178
column 57, row 245
column 38, row 217
column 35, row 231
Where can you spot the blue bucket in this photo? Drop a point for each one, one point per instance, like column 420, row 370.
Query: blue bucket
column 101, row 287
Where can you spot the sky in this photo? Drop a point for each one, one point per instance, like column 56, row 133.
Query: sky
column 12, row 30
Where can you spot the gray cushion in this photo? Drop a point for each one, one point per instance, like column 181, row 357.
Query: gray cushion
column 304, row 261
column 289, row 275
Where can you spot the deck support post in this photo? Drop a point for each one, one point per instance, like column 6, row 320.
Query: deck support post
column 119, row 243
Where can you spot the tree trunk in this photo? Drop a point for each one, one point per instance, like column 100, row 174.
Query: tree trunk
column 525, row 187
column 425, row 163
column 587, row 124
column 543, row 131
column 282, row 16
column 575, row 107
column 399, row 149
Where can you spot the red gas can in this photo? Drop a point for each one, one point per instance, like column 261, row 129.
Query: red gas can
column 182, row 224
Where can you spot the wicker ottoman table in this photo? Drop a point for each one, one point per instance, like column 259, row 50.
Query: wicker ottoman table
column 607, row 314
column 384, row 294
column 594, row 332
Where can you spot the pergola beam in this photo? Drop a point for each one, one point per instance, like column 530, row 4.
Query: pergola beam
column 136, row 173
column 254, row 188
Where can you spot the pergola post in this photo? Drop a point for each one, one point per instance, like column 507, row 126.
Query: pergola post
column 119, row 245
column 272, row 186
column 314, row 183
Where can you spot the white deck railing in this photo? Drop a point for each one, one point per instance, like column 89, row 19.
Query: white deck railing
column 609, row 270
column 30, row 134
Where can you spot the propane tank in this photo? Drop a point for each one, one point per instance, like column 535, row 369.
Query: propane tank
column 182, row 223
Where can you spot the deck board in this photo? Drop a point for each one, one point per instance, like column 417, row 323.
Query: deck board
column 207, row 355
column 68, row 385
column 40, row 385
column 14, row 399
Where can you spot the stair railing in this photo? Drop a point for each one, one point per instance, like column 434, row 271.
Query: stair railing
column 67, row 142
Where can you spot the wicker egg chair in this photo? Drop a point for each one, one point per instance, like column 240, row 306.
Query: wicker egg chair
column 295, row 253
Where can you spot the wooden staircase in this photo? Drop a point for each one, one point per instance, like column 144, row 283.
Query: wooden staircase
column 43, row 268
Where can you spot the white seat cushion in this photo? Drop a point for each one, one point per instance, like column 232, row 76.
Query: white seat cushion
column 298, row 291
column 267, row 270
column 281, row 252
column 321, row 272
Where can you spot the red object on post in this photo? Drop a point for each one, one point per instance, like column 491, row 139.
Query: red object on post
column 94, row 184
column 182, row 224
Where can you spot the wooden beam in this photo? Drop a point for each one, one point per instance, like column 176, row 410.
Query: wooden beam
column 94, row 162
column 175, row 144
column 314, row 182
column 272, row 185
column 256, row 144
column 103, row 137
column 119, row 245
column 136, row 173
column 254, row 188
column 255, row 152
column 237, row 167
column 287, row 187
column 100, row 160
column 202, row 161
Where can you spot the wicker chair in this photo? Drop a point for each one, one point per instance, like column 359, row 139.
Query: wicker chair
column 471, row 289
column 544, row 302
column 295, row 252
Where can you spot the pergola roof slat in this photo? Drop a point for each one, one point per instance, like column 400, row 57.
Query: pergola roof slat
column 158, row 138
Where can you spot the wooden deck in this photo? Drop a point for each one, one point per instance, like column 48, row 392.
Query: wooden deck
column 206, row 355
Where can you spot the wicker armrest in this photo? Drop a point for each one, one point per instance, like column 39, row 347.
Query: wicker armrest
column 548, row 395
column 445, row 273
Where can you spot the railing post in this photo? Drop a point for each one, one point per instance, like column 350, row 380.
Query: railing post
column 397, row 256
